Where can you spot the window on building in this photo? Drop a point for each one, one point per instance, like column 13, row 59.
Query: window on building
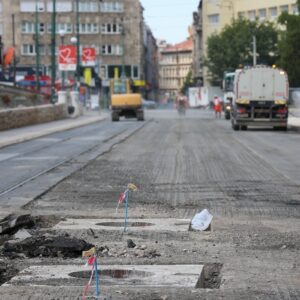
column 213, row 19
column 295, row 9
column 273, row 12
column 29, row 27
column 88, row 6
column 66, row 27
column 111, row 7
column 42, row 27
column 111, row 69
column 251, row 15
column 241, row 14
column 30, row 5
column 61, row 5
column 262, row 14
column 88, row 28
column 112, row 50
column 284, row 8
column 30, row 49
column 111, row 28
column 135, row 72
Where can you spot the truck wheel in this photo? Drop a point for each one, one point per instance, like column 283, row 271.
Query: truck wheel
column 244, row 127
column 234, row 126
column 140, row 116
column 115, row 116
column 283, row 128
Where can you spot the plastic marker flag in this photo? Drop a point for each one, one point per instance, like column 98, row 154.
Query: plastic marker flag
column 124, row 197
column 92, row 261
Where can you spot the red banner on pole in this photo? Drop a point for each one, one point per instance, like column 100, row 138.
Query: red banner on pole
column 88, row 57
column 67, row 58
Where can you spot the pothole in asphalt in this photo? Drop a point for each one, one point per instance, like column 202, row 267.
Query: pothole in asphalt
column 121, row 224
column 210, row 277
column 167, row 224
column 188, row 276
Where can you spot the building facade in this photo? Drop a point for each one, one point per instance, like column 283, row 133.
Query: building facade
column 151, row 65
column 197, row 35
column 113, row 27
column 174, row 65
column 216, row 14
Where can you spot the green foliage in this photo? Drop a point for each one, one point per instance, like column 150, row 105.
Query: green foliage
column 188, row 82
column 289, row 45
column 232, row 47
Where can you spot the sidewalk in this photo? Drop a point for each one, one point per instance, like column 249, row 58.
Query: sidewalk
column 18, row 135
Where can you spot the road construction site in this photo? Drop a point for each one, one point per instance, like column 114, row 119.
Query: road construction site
column 248, row 180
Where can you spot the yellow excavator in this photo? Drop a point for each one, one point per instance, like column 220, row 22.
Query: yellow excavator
column 124, row 102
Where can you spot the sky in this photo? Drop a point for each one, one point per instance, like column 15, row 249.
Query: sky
column 169, row 19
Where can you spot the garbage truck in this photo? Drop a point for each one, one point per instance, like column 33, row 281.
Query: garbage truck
column 124, row 102
column 260, row 98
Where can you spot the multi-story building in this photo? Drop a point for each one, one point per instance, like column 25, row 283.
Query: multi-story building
column 197, row 35
column 174, row 65
column 216, row 14
column 113, row 27
column 151, row 65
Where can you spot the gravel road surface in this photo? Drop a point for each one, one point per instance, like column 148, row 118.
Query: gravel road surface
column 248, row 180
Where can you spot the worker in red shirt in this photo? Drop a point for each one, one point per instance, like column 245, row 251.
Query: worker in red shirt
column 217, row 106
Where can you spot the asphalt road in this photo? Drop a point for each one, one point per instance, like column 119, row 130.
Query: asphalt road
column 248, row 180
column 28, row 167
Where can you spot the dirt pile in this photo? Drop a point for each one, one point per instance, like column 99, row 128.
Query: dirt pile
column 7, row 271
column 47, row 246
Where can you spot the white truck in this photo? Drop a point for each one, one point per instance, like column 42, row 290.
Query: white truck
column 260, row 98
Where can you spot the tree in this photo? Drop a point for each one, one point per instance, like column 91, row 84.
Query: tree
column 188, row 82
column 289, row 45
column 232, row 47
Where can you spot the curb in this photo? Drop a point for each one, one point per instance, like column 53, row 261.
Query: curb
column 54, row 129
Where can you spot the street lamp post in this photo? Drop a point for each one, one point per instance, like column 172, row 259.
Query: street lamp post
column 37, row 45
column 14, row 45
column 77, row 45
column 123, row 74
column 53, row 46
column 62, row 37
column 73, row 40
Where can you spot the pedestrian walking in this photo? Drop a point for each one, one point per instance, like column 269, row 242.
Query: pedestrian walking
column 217, row 107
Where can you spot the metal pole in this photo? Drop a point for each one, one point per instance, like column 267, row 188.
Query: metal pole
column 53, row 46
column 254, row 50
column 78, row 45
column 63, row 75
column 14, row 45
column 123, row 75
column 37, row 45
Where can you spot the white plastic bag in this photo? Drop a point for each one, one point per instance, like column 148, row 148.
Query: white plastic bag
column 202, row 220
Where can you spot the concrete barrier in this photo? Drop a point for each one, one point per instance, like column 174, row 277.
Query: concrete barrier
column 25, row 116
column 77, row 109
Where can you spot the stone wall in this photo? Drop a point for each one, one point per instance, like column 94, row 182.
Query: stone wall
column 19, row 117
